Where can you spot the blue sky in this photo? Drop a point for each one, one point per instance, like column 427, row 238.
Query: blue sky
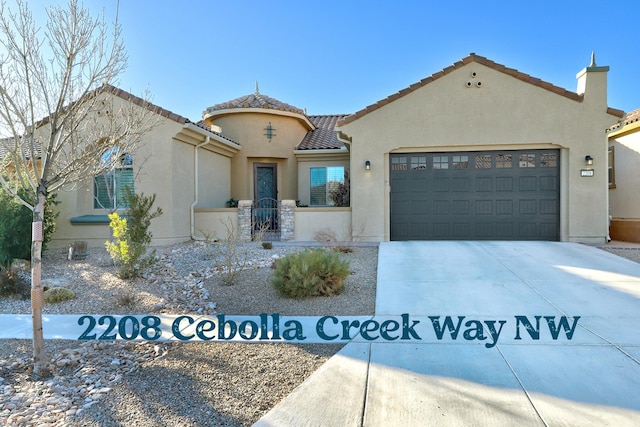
column 340, row 56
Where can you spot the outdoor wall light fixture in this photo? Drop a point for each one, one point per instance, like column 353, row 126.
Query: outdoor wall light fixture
column 588, row 160
column 367, row 165
column 270, row 132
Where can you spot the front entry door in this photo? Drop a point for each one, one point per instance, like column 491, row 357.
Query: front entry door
column 265, row 206
column 265, row 185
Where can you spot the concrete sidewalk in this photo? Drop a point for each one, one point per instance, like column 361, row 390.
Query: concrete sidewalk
column 506, row 333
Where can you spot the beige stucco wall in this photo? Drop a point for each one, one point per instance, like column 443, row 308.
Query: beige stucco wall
column 215, row 223
column 248, row 128
column 504, row 113
column 162, row 165
column 214, row 173
column 623, row 198
column 336, row 221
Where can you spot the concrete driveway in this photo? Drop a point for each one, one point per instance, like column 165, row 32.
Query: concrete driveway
column 493, row 333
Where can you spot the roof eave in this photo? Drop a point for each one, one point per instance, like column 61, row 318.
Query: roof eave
column 208, row 117
column 196, row 135
column 323, row 154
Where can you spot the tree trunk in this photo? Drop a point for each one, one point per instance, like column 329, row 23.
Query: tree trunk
column 37, row 291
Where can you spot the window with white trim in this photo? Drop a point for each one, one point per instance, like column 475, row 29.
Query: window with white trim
column 110, row 186
column 322, row 182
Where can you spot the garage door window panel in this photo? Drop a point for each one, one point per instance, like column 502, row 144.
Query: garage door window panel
column 527, row 161
column 548, row 160
column 460, row 162
column 399, row 163
column 504, row 161
column 483, row 161
column 418, row 162
column 441, row 162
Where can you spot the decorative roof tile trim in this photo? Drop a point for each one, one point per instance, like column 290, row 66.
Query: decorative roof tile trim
column 254, row 100
column 631, row 117
column 464, row 61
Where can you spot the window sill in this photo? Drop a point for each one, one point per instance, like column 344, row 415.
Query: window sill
column 90, row 220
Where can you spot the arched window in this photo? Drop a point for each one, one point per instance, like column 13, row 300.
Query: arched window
column 110, row 186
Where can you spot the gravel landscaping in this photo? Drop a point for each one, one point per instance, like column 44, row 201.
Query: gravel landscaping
column 177, row 384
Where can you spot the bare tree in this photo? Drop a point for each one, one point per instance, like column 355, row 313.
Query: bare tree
column 61, row 122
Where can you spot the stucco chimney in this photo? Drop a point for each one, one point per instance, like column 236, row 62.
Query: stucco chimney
column 592, row 82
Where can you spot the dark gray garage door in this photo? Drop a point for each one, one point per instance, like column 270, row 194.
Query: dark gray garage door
column 492, row 195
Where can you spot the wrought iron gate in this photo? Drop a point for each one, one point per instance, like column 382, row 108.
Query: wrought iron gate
column 265, row 220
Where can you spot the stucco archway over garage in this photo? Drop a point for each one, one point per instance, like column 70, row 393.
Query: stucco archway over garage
column 484, row 195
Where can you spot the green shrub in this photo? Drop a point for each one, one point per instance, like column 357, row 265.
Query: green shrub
column 316, row 272
column 267, row 245
column 132, row 236
column 58, row 294
column 15, row 226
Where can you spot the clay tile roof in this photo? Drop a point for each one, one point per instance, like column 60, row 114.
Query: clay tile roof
column 632, row 117
column 324, row 136
column 203, row 125
column 471, row 58
column 5, row 143
column 255, row 100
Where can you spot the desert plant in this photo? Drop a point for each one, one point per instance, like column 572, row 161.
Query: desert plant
column 58, row 294
column 315, row 272
column 132, row 236
column 267, row 245
column 13, row 283
column 259, row 230
column 8, row 283
column 329, row 238
column 230, row 254
column 126, row 299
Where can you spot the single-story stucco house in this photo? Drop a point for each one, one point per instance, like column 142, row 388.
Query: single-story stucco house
column 624, row 178
column 476, row 151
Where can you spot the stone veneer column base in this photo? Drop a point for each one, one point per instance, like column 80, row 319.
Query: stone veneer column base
column 287, row 220
column 244, row 219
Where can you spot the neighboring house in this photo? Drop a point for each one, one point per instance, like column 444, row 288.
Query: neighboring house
column 624, row 178
column 476, row 151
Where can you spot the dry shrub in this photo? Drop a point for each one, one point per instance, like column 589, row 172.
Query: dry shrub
column 315, row 272
column 58, row 294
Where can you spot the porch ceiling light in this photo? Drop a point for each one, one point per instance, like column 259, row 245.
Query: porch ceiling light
column 367, row 165
column 588, row 160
